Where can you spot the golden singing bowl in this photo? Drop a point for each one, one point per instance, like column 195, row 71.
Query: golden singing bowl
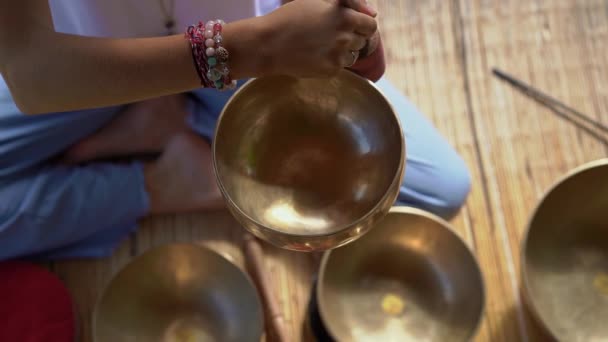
column 411, row 278
column 565, row 256
column 309, row 164
column 179, row 292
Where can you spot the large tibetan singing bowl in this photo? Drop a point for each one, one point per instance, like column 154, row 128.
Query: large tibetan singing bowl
column 565, row 257
column 309, row 164
column 179, row 292
column 409, row 279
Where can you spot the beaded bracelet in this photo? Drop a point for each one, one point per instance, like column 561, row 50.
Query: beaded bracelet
column 209, row 55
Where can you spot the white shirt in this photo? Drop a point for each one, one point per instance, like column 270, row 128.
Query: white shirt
column 145, row 18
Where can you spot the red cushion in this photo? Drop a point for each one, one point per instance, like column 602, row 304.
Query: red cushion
column 34, row 305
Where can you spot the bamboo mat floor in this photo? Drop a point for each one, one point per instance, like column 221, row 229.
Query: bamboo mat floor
column 440, row 54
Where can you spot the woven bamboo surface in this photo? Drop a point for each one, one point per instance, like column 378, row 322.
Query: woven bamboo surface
column 440, row 54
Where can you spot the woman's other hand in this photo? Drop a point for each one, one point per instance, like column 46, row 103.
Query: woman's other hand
column 371, row 63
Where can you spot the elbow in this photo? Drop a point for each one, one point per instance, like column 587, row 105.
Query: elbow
column 26, row 105
column 23, row 103
column 21, row 68
column 19, row 76
column 21, row 94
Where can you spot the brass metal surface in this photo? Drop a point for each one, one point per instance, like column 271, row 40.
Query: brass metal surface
column 565, row 256
column 309, row 164
column 179, row 292
column 411, row 278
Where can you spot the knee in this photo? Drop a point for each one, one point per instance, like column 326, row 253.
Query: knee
column 454, row 190
column 436, row 177
column 440, row 188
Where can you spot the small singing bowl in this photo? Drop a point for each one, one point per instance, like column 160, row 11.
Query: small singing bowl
column 309, row 164
column 179, row 292
column 411, row 278
column 565, row 256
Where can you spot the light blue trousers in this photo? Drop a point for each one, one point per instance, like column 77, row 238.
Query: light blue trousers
column 50, row 210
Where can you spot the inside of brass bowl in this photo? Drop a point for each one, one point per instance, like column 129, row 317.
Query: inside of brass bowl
column 565, row 262
column 179, row 292
column 409, row 279
column 307, row 156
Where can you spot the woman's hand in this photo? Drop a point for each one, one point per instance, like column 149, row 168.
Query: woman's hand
column 361, row 6
column 304, row 38
column 371, row 63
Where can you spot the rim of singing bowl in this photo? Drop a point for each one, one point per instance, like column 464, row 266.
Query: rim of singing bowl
column 527, row 292
column 449, row 230
column 206, row 250
column 397, row 177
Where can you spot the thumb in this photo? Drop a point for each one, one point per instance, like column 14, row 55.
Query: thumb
column 362, row 6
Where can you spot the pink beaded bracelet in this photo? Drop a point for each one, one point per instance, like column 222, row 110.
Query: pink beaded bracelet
column 209, row 55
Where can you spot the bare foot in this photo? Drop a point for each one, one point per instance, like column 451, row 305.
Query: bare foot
column 182, row 179
column 144, row 127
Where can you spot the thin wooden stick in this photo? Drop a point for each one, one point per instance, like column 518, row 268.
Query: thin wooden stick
column 547, row 99
column 255, row 259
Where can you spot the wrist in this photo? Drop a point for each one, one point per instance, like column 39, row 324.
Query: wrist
column 246, row 41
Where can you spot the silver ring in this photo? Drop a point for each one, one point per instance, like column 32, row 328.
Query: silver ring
column 355, row 55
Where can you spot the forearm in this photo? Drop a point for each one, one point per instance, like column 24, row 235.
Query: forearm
column 60, row 72
column 67, row 72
